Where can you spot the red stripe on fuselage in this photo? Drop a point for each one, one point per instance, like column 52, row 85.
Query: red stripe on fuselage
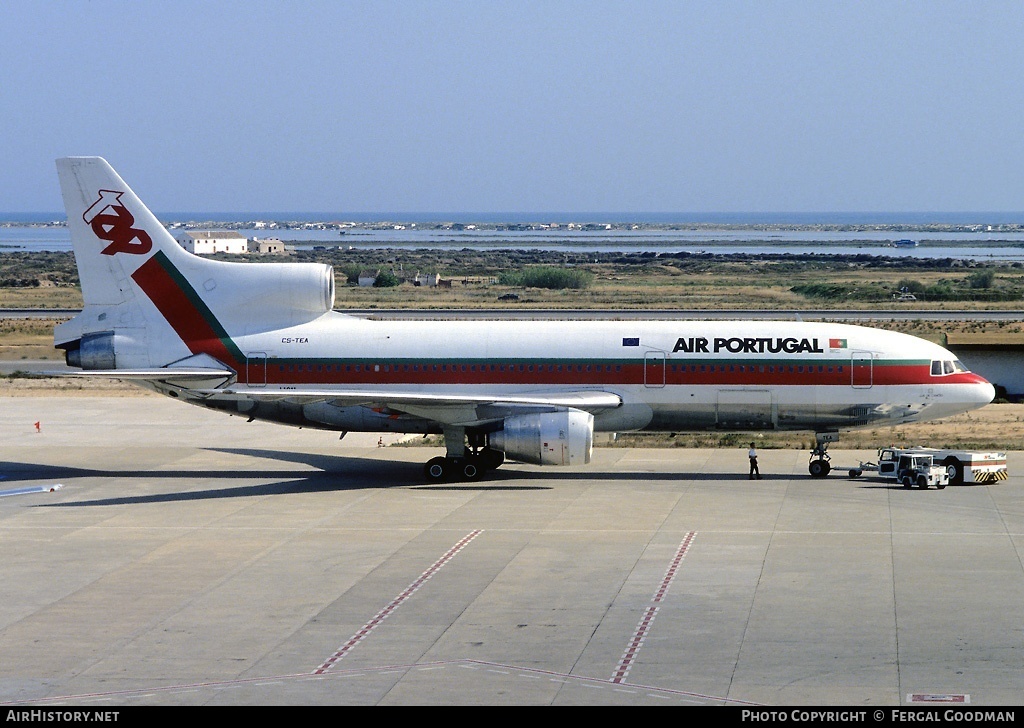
column 200, row 335
column 180, row 312
column 385, row 372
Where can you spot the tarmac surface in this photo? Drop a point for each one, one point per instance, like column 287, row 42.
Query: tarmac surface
column 190, row 558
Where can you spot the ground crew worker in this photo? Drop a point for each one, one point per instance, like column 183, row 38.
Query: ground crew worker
column 752, row 454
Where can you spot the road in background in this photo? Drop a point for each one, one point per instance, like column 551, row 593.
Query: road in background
column 639, row 314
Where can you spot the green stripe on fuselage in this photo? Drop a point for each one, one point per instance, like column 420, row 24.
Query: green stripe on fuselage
column 200, row 305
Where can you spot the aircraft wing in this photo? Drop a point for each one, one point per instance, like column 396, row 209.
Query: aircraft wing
column 158, row 374
column 445, row 407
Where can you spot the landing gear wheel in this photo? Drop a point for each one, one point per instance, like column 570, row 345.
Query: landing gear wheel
column 436, row 469
column 819, row 468
column 443, row 469
column 819, row 465
column 471, row 462
column 470, row 469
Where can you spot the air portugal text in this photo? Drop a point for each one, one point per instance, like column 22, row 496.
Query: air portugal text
column 748, row 345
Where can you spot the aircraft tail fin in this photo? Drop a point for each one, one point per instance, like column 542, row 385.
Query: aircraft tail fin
column 149, row 302
column 112, row 232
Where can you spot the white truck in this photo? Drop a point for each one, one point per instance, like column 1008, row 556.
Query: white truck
column 961, row 466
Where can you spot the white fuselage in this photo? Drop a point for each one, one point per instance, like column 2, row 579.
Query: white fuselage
column 669, row 375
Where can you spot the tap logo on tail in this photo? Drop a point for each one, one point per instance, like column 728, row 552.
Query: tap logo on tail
column 111, row 221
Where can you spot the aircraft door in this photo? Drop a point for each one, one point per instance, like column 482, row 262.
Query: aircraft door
column 861, row 368
column 256, row 368
column 654, row 369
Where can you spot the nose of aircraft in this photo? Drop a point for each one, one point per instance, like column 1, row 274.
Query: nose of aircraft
column 980, row 391
column 985, row 392
column 970, row 393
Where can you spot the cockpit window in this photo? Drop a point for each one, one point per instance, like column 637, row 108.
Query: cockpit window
column 940, row 368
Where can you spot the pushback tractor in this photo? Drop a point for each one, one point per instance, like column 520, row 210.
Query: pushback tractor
column 959, row 466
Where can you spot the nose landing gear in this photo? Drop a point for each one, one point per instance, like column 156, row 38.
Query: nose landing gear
column 819, row 465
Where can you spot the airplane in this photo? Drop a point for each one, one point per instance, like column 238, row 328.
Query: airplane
column 263, row 340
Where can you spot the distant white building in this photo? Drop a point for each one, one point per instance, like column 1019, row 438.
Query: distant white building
column 267, row 246
column 205, row 242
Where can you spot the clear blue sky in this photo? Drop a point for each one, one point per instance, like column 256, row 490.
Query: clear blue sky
column 758, row 105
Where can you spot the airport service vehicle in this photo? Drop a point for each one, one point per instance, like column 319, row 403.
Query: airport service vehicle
column 920, row 470
column 962, row 466
column 262, row 340
column 907, row 467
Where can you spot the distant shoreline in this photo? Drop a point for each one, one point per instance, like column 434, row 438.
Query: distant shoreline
column 988, row 241
column 888, row 221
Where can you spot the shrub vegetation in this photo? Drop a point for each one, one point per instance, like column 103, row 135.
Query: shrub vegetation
column 547, row 276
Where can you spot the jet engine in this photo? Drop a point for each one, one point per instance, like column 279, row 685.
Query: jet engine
column 305, row 287
column 93, row 351
column 267, row 295
column 550, row 438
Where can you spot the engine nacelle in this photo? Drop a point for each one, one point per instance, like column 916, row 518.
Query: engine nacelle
column 307, row 287
column 550, row 438
column 94, row 351
column 258, row 296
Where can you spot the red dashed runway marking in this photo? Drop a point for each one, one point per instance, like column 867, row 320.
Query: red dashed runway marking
column 629, row 656
column 395, row 603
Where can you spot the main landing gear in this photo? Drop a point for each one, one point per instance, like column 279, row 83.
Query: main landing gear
column 463, row 462
column 468, row 467
column 819, row 465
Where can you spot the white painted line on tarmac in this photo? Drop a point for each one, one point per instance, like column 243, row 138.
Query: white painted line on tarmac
column 560, row 678
column 31, row 489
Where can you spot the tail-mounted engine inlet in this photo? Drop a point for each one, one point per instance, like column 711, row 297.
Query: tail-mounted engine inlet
column 92, row 351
